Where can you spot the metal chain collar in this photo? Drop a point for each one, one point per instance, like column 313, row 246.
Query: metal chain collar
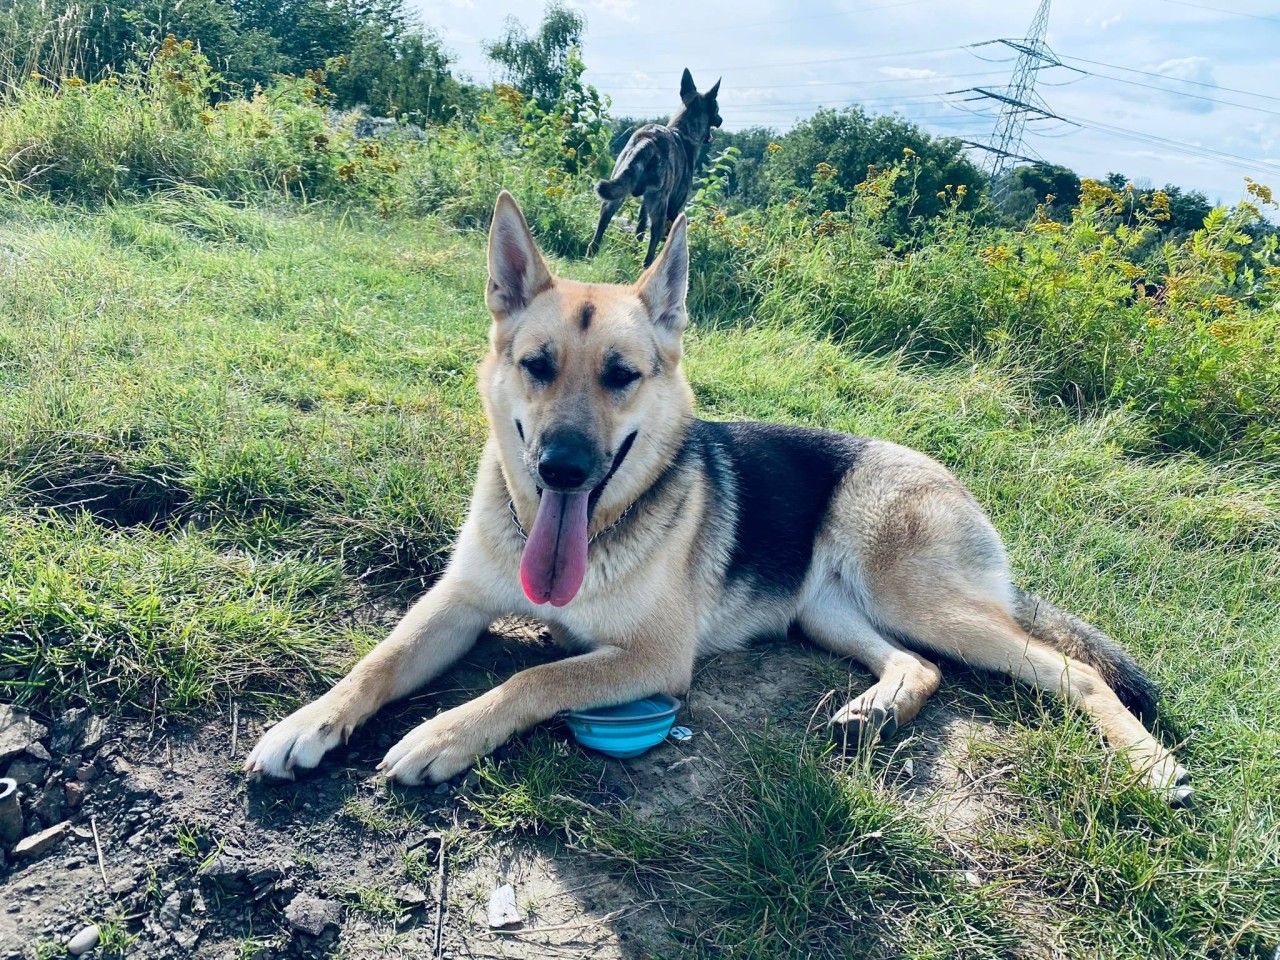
column 511, row 506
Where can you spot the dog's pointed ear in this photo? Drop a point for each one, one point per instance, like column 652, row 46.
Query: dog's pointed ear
column 687, row 89
column 714, row 91
column 664, row 286
column 517, row 272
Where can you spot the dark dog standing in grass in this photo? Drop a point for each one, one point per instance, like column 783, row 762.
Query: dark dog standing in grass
column 658, row 164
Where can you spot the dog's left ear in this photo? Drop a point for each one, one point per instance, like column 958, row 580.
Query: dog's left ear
column 517, row 272
column 664, row 286
column 711, row 94
column 687, row 89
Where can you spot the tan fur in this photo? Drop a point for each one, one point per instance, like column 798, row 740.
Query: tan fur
column 902, row 551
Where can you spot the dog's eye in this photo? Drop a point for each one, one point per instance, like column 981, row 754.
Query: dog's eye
column 539, row 368
column 619, row 378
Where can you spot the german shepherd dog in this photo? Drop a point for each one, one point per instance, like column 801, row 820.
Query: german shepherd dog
column 644, row 537
column 658, row 164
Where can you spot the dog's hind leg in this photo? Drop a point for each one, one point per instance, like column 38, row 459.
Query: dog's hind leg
column 980, row 631
column 607, row 209
column 655, row 208
column 831, row 618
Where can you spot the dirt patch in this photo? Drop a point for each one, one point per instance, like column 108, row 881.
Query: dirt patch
column 196, row 862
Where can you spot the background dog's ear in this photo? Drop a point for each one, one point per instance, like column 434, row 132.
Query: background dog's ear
column 517, row 272
column 714, row 91
column 665, row 284
column 687, row 89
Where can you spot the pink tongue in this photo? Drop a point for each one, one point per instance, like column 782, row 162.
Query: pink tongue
column 555, row 558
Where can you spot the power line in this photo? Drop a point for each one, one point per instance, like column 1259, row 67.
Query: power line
column 1204, row 153
column 799, row 63
column 830, row 83
column 1184, row 93
column 1234, row 13
column 1162, row 76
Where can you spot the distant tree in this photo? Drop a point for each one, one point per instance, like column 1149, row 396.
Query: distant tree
column 853, row 142
column 1033, row 186
column 536, row 64
column 408, row 75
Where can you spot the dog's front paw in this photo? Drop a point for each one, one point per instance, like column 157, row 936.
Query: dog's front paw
column 297, row 742
column 434, row 751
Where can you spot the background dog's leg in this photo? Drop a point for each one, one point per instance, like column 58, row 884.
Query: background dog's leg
column 982, row 633
column 642, row 221
column 607, row 209
column 436, row 631
column 662, row 662
column 655, row 205
column 905, row 679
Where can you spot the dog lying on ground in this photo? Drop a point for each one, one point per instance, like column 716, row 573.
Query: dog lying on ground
column 658, row 163
column 644, row 537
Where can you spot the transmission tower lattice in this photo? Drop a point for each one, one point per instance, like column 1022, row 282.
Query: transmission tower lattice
column 1019, row 102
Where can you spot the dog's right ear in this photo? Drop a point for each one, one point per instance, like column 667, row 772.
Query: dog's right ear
column 687, row 89
column 664, row 286
column 517, row 272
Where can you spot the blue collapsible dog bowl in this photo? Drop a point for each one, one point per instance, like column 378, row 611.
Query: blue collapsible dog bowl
column 627, row 730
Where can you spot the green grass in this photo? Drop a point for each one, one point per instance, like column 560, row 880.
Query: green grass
column 228, row 431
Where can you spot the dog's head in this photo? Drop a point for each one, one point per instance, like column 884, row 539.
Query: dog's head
column 583, row 389
column 700, row 111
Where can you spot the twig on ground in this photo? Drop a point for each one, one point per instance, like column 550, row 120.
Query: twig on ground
column 235, row 727
column 97, row 845
column 566, row 927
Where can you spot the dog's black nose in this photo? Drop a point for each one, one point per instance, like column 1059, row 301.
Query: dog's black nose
column 565, row 462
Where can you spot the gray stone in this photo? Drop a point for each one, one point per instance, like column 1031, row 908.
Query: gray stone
column 311, row 915
column 171, row 911
column 38, row 843
column 84, row 941
column 17, row 732
column 503, row 911
column 28, row 769
column 78, row 731
column 87, row 773
column 39, row 751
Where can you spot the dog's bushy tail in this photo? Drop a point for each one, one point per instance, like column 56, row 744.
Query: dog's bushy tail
column 614, row 189
column 1072, row 636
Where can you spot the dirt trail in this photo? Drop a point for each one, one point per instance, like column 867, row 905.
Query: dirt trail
column 198, row 863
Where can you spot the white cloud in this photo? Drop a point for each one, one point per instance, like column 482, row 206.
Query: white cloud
column 909, row 73
column 622, row 9
column 1196, row 69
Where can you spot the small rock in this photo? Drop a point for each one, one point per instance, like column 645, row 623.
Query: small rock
column 187, row 938
column 39, row 751
column 84, row 833
column 972, row 879
column 73, row 863
column 75, row 791
column 442, row 789
column 171, row 911
column 86, row 773
column 84, row 941
column 411, row 895
column 311, row 915
column 121, row 887
column 27, row 769
column 908, row 767
column 225, row 869
column 502, row 908
column 77, row 731
column 37, row 844
column 51, row 805
column 17, row 732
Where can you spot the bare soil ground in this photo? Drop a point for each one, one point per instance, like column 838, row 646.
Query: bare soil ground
column 195, row 862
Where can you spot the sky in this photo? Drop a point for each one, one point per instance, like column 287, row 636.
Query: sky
column 1176, row 91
